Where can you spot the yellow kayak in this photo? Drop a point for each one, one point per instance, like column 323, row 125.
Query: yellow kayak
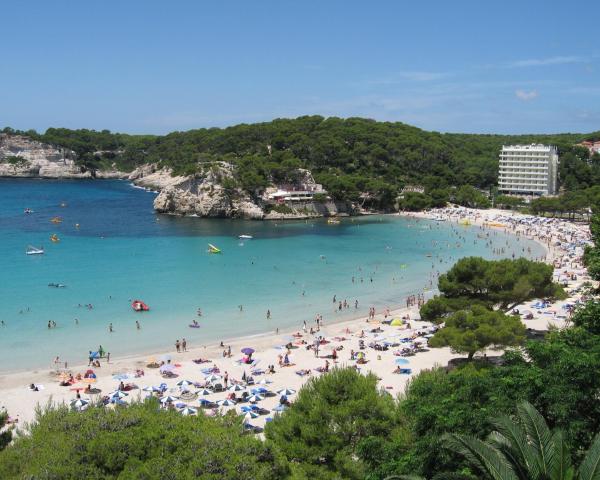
column 213, row 249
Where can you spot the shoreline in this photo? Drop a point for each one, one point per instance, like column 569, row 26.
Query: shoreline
column 20, row 401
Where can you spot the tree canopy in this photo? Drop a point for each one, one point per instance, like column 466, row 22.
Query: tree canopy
column 139, row 441
column 470, row 331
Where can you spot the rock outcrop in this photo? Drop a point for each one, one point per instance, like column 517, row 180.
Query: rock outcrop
column 21, row 156
column 204, row 195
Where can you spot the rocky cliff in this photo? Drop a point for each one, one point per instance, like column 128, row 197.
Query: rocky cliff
column 23, row 157
column 204, row 194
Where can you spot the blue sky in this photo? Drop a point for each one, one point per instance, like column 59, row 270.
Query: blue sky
column 144, row 66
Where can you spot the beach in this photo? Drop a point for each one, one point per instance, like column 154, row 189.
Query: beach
column 387, row 349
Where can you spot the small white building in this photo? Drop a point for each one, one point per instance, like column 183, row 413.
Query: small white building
column 528, row 169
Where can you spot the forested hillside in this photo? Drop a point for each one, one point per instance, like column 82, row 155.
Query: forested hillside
column 348, row 156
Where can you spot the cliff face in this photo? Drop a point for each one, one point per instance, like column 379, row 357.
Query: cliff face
column 204, row 195
column 22, row 157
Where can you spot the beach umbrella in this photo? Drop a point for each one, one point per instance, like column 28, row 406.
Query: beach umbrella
column 251, row 415
column 258, row 390
column 255, row 398
column 236, row 387
column 212, row 378
column 204, row 391
column 79, row 404
column 247, row 351
column 152, row 388
column 121, row 376
column 89, row 380
column 167, row 399
column 396, row 322
column 226, row 403
column 180, row 405
column 402, row 361
column 184, row 383
column 203, row 402
column 265, row 381
column 118, row 401
column 280, row 408
column 166, row 368
column 247, row 408
column 118, row 394
column 286, row 391
column 188, row 411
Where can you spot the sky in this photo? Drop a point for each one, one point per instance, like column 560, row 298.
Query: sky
column 145, row 66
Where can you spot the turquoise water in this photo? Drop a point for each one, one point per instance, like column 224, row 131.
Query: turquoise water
column 122, row 251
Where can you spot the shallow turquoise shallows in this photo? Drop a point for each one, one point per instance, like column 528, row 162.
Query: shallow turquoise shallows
column 123, row 251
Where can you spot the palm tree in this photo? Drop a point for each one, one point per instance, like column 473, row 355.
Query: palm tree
column 525, row 449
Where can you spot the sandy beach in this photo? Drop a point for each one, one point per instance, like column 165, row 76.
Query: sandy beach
column 386, row 348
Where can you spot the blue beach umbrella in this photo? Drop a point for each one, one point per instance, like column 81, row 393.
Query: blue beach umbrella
column 118, row 394
column 226, row 403
column 167, row 399
column 280, row 408
column 286, row 391
column 188, row 411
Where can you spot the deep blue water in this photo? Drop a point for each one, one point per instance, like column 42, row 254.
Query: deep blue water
column 122, row 251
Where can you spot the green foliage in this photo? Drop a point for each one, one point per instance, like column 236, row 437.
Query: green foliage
column 588, row 317
column 348, row 156
column 415, row 202
column 524, row 449
column 139, row 441
column 469, row 331
column 340, row 426
column 468, row 196
column 504, row 283
column 5, row 434
column 16, row 161
column 591, row 256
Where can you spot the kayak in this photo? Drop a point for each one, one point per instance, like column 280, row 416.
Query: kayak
column 246, row 237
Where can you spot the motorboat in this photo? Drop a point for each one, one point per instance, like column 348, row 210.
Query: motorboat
column 333, row 221
column 245, row 237
column 57, row 285
column 34, row 250
column 213, row 249
column 54, row 238
column 56, row 220
column 139, row 306
column 28, row 210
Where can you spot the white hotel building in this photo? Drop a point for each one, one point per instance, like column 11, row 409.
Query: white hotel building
column 528, row 169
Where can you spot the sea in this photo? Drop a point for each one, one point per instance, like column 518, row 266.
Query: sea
column 113, row 249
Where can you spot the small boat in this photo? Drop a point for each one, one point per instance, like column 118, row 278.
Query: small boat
column 57, row 285
column 34, row 250
column 213, row 249
column 246, row 237
column 139, row 306
column 54, row 238
column 28, row 210
column 333, row 221
column 63, row 204
column 56, row 220
column 194, row 325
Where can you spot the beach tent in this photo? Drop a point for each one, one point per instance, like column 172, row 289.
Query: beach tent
column 396, row 322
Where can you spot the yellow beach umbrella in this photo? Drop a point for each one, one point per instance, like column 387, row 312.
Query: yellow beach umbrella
column 396, row 322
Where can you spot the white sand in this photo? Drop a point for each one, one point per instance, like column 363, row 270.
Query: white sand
column 20, row 402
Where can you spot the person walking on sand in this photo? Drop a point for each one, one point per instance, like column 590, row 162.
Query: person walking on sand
column 107, row 357
column 177, row 346
column 184, row 345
